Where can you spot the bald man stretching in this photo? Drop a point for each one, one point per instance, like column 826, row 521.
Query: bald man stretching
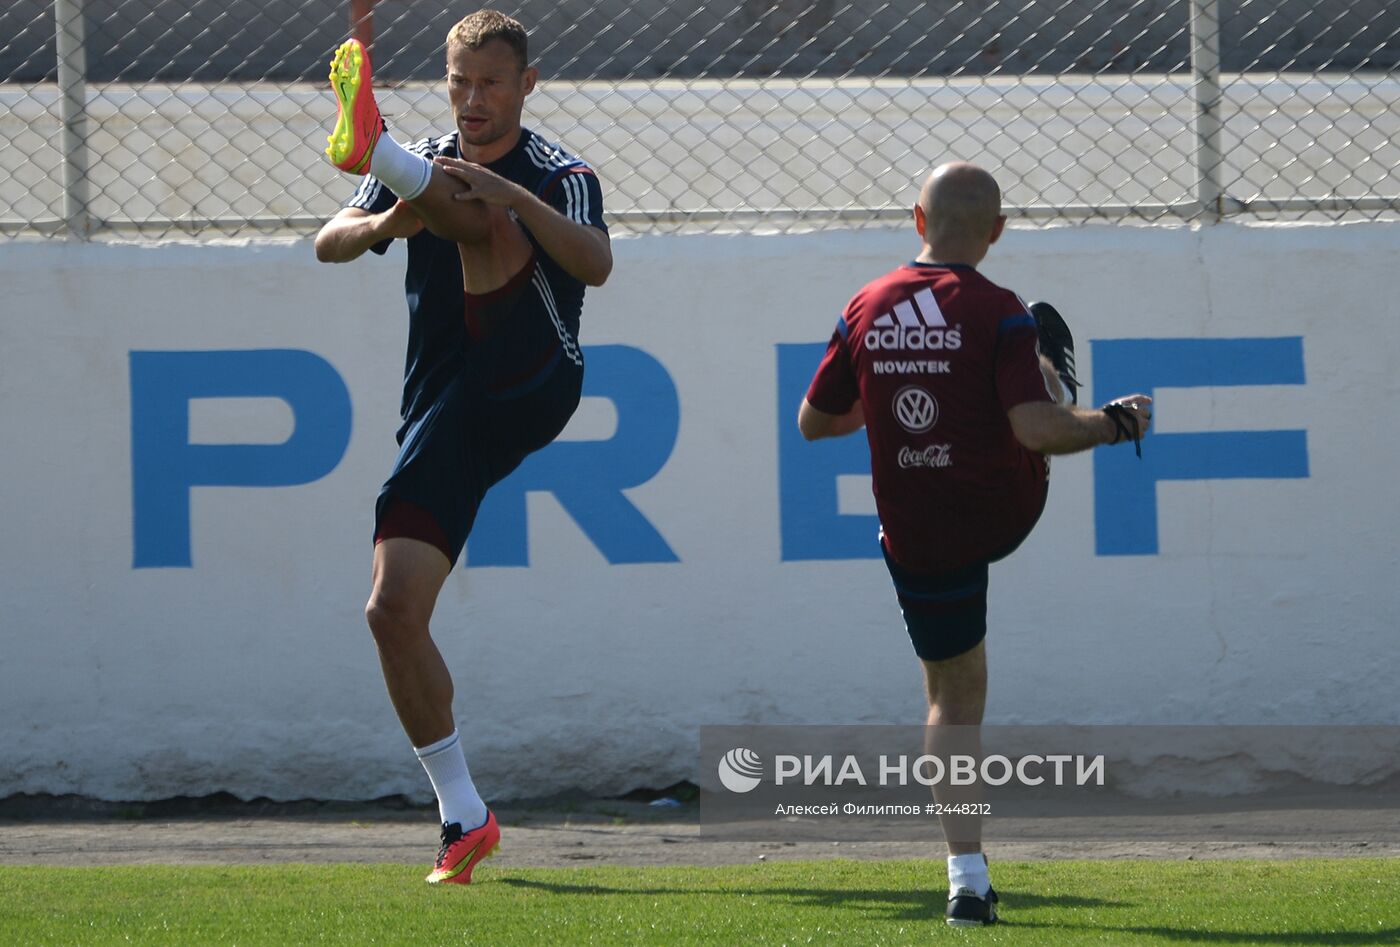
column 961, row 389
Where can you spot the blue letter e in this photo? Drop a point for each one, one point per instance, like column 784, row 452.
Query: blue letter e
column 813, row 527
column 165, row 465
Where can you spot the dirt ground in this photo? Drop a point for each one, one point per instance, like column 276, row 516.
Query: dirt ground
column 611, row 832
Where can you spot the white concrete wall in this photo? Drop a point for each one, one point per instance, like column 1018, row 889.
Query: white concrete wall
column 1268, row 601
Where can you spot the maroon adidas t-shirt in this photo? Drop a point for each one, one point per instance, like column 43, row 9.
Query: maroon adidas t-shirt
column 937, row 354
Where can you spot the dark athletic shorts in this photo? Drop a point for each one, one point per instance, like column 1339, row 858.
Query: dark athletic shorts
column 521, row 384
column 946, row 613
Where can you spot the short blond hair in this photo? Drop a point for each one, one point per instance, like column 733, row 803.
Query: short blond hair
column 477, row 29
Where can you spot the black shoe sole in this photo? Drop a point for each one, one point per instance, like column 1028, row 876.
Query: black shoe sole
column 1057, row 344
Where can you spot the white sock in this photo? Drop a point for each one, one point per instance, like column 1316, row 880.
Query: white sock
column 968, row 871
column 402, row 172
column 458, row 800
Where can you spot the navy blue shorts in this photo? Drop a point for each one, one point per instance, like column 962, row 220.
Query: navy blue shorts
column 521, row 384
column 945, row 614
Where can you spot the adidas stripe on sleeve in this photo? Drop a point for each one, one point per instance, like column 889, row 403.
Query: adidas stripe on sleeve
column 574, row 191
column 577, row 195
column 372, row 196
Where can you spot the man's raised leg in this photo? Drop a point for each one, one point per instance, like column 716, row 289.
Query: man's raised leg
column 491, row 261
column 360, row 144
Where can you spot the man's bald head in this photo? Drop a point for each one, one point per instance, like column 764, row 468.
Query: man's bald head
column 961, row 203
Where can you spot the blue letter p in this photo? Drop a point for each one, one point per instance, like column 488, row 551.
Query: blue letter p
column 165, row 465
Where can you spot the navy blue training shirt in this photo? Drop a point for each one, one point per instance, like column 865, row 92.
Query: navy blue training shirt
column 433, row 281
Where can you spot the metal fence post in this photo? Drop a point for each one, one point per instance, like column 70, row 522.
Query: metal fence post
column 1205, row 66
column 72, row 84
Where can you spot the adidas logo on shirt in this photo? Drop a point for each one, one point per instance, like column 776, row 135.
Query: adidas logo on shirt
column 915, row 325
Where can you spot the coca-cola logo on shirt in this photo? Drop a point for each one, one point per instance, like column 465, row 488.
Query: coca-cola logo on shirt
column 934, row 455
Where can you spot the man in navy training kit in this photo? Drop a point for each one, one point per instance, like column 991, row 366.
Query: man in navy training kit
column 504, row 230
column 961, row 390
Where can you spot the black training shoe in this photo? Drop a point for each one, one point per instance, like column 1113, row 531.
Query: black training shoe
column 1057, row 344
column 966, row 909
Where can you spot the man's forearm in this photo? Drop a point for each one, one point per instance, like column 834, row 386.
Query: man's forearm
column 1049, row 428
column 347, row 238
column 583, row 251
column 1077, row 429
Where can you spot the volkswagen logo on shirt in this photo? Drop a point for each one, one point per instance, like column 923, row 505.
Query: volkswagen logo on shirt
column 915, row 409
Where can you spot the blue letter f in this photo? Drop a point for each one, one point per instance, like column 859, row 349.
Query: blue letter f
column 1125, row 490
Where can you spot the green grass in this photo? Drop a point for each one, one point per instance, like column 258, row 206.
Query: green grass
column 1350, row 901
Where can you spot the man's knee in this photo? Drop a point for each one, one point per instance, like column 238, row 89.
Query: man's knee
column 408, row 573
column 957, row 686
column 395, row 620
column 472, row 223
column 957, row 709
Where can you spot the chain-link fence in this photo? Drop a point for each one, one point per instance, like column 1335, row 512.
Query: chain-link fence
column 169, row 117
